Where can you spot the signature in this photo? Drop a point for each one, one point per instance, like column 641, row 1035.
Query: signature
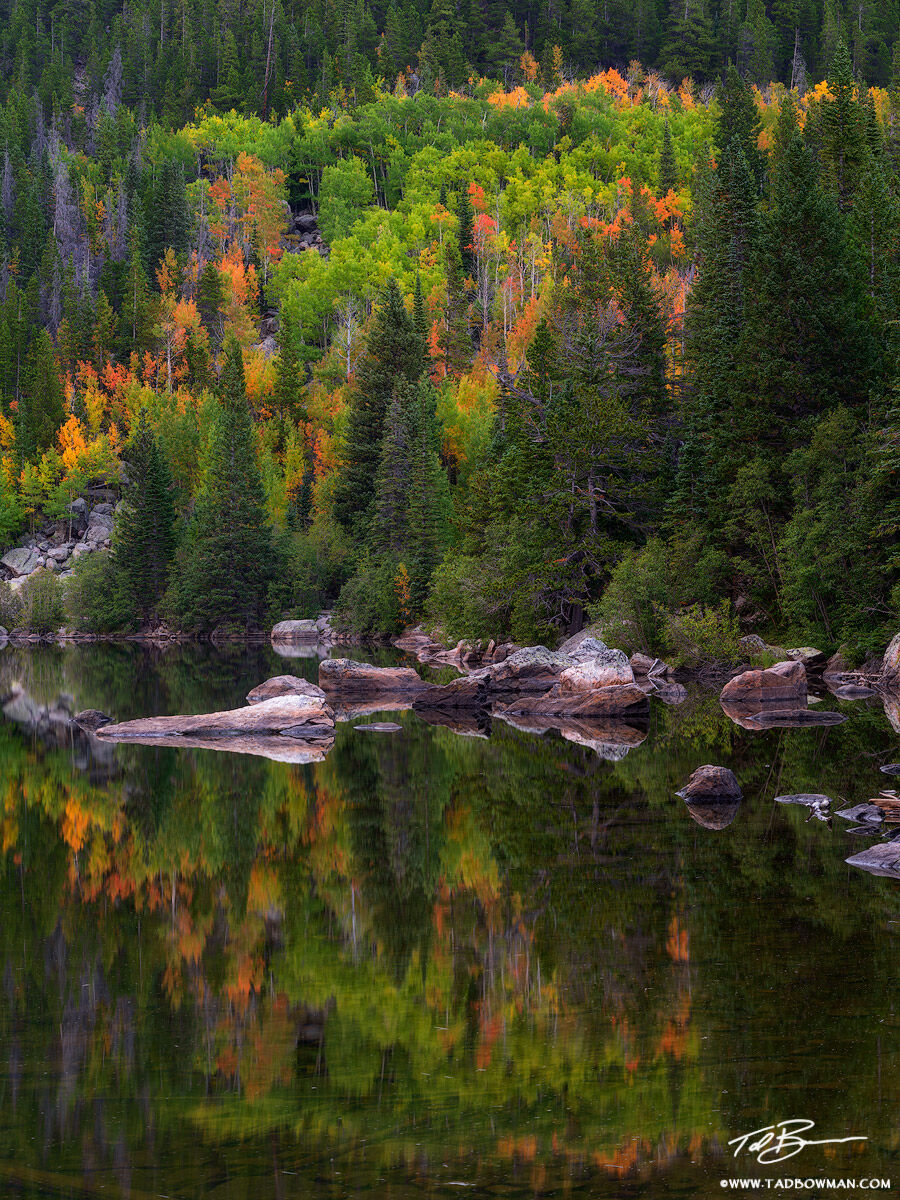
column 775, row 1143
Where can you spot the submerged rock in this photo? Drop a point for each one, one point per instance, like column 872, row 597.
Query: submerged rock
column 711, row 782
column 379, row 727
column 284, row 685
column 790, row 718
column 783, row 685
column 809, row 799
column 891, row 769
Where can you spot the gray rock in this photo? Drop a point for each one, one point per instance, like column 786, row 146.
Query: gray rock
column 294, row 631
column 284, row 685
column 807, row 799
column 379, row 727
column 104, row 509
column 79, row 508
column 590, row 648
column 59, row 554
column 21, row 560
column 866, row 813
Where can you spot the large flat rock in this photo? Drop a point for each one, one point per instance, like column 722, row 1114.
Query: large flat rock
column 303, row 717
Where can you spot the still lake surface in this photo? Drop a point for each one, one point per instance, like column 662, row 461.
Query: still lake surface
column 436, row 963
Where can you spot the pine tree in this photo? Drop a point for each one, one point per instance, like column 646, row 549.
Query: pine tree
column 227, row 561
column 429, row 507
column 843, row 130
column 393, row 353
column 144, row 541
column 739, row 125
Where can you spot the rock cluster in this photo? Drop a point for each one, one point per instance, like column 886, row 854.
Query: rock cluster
column 303, row 234
column 58, row 545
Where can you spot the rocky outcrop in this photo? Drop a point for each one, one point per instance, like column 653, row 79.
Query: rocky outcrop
column 813, row 660
column 284, row 685
column 783, row 685
column 307, row 718
column 58, row 545
column 890, row 666
column 347, row 681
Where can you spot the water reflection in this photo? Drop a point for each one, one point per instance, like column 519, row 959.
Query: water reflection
column 512, row 959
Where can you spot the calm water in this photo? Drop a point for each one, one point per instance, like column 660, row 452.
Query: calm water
column 434, row 964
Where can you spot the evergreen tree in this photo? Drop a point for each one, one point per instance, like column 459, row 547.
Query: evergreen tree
column 227, row 561
column 144, row 541
column 393, row 354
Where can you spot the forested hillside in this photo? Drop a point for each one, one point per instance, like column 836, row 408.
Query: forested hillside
column 504, row 358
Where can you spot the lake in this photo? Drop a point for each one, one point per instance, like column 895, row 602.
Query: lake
column 485, row 962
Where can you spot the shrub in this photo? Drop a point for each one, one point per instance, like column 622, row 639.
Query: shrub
column 96, row 599
column 459, row 600
column 631, row 610
column 370, row 600
column 42, row 603
column 10, row 605
column 701, row 634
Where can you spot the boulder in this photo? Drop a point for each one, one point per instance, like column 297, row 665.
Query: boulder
column 294, row 631
column 91, row 719
column 79, row 509
column 21, row 560
column 590, row 648
column 305, row 717
column 572, row 643
column 890, row 667
column 711, row 782
column 608, row 669
column 615, row 700
column 881, row 859
column 350, row 680
column 284, row 685
column 104, row 509
column 531, row 669
column 811, row 658
column 783, row 685
column 59, row 554
column 466, row 692
column 641, row 663
column 815, row 800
